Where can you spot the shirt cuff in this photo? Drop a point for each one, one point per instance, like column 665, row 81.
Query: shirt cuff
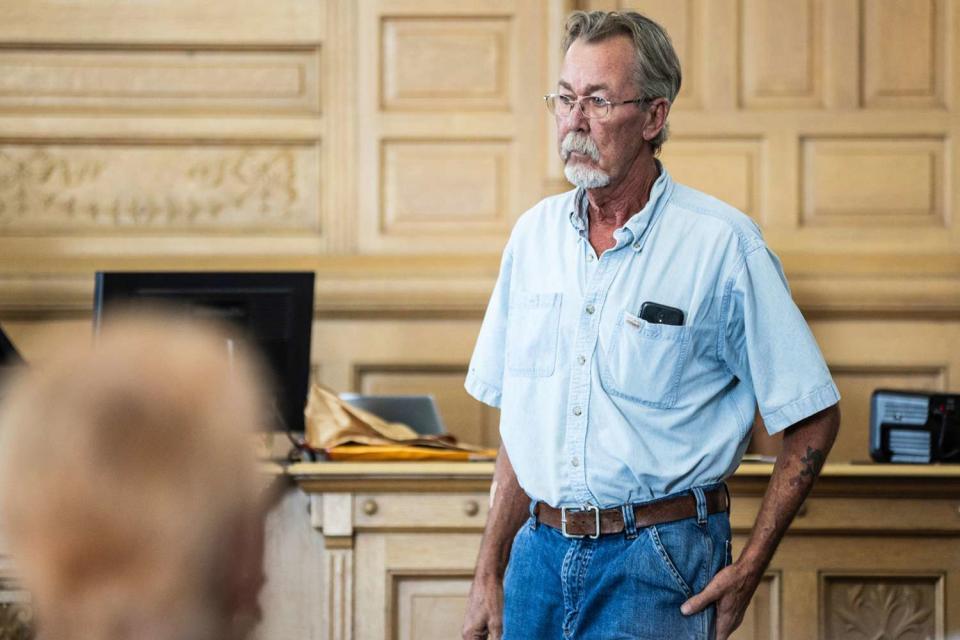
column 482, row 391
column 819, row 399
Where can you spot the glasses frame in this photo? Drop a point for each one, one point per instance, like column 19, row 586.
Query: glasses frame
column 551, row 101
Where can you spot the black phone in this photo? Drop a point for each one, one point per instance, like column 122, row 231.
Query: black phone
column 661, row 314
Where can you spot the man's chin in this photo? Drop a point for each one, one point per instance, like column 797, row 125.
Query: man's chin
column 584, row 176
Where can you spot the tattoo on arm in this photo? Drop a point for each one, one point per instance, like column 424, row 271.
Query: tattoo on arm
column 812, row 463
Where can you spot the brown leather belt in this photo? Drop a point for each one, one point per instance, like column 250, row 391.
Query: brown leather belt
column 594, row 522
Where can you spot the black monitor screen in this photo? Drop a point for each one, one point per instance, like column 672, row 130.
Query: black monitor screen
column 273, row 309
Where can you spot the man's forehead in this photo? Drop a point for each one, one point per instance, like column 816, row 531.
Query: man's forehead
column 594, row 66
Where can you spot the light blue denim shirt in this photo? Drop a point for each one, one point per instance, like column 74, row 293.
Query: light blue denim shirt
column 600, row 407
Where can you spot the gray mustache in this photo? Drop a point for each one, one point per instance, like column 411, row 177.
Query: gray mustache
column 580, row 143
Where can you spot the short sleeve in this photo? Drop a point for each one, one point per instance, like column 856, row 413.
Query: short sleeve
column 485, row 375
column 767, row 342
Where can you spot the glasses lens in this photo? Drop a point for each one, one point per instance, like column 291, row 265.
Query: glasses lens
column 597, row 108
column 559, row 105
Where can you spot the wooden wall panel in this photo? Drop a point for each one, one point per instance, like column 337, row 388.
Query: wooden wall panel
column 136, row 188
column 874, row 183
column 726, row 169
column 904, row 46
column 782, row 58
column 871, row 606
column 445, row 188
column 446, row 64
column 450, row 96
column 428, row 606
column 81, row 79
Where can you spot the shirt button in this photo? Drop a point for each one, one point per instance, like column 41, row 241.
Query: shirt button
column 590, row 309
column 575, row 462
column 590, row 258
column 577, row 411
column 581, row 360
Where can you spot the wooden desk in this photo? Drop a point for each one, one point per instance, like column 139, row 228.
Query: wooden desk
column 874, row 553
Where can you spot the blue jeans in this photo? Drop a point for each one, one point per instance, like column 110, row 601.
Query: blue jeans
column 619, row 586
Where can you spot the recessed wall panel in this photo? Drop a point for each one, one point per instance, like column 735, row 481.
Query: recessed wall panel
column 781, row 58
column 903, row 607
column 728, row 170
column 444, row 187
column 445, row 64
column 903, row 53
column 873, row 183
column 112, row 80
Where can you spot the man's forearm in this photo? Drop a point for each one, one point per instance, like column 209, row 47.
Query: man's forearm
column 805, row 448
column 509, row 507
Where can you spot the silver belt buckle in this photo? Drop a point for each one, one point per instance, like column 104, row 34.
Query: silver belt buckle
column 563, row 522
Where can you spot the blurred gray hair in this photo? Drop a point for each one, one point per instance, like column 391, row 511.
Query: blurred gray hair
column 657, row 68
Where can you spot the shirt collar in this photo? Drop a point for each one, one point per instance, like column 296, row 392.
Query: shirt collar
column 633, row 231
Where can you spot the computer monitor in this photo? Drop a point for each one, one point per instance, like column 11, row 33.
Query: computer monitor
column 273, row 309
column 9, row 355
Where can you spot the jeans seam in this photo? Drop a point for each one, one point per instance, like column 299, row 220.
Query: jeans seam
column 665, row 557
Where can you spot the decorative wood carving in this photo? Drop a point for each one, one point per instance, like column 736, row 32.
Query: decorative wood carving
column 89, row 187
column 881, row 608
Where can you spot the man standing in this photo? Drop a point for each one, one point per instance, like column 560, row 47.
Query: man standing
column 635, row 327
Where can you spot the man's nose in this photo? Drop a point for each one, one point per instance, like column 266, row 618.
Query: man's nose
column 576, row 120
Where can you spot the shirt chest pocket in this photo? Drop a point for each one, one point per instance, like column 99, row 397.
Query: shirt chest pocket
column 644, row 361
column 533, row 329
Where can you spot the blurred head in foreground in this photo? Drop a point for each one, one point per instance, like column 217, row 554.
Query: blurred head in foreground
column 129, row 492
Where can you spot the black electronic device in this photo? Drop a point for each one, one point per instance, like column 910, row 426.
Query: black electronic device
column 9, row 356
column 274, row 310
column 661, row 314
column 914, row 426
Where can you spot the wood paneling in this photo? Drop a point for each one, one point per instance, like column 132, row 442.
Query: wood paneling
column 726, row 169
column 871, row 183
column 450, row 96
column 904, row 46
column 781, row 53
column 428, row 606
column 871, row 606
column 57, row 188
column 446, row 64
column 110, row 80
column 445, row 187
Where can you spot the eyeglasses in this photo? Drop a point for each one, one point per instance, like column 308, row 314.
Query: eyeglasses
column 592, row 107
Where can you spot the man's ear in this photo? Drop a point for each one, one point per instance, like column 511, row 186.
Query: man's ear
column 657, row 112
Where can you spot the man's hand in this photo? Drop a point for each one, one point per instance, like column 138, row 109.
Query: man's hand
column 731, row 589
column 804, row 450
column 508, row 509
column 484, row 617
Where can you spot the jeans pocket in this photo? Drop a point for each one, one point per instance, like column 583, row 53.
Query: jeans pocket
column 533, row 330
column 644, row 361
column 687, row 551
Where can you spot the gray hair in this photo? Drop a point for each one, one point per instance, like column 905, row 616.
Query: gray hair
column 657, row 68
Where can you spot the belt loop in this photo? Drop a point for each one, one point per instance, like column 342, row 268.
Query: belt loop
column 629, row 521
column 533, row 513
column 701, row 505
column 726, row 490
